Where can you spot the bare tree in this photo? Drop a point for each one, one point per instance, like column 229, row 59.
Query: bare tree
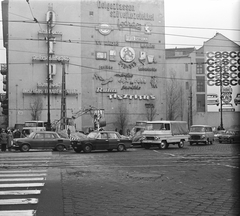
column 122, row 118
column 36, row 108
column 173, row 98
column 151, row 111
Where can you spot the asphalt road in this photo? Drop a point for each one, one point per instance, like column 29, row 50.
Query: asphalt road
column 195, row 180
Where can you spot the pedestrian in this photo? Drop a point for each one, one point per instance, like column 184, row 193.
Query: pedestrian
column 9, row 140
column 4, row 140
column 16, row 133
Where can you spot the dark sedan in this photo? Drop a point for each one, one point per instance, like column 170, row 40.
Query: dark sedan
column 230, row 136
column 41, row 140
column 102, row 140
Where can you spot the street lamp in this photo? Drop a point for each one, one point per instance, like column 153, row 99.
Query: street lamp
column 221, row 114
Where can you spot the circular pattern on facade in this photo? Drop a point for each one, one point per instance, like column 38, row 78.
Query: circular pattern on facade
column 127, row 54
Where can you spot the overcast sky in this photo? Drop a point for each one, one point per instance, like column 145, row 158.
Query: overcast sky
column 189, row 23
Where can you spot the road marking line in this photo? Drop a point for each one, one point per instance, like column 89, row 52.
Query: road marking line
column 23, row 171
column 232, row 166
column 22, row 185
column 22, row 179
column 23, row 174
column 20, row 192
column 18, row 213
column 18, row 201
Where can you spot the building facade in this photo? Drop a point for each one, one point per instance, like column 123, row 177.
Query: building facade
column 214, row 71
column 69, row 55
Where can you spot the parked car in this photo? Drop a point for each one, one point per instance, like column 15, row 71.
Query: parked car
column 41, row 140
column 237, row 99
column 102, row 140
column 201, row 134
column 230, row 136
column 218, row 133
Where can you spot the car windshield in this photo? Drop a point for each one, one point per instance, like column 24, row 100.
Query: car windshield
column 92, row 135
column 197, row 129
column 31, row 135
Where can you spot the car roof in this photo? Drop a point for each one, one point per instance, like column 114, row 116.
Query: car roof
column 44, row 132
column 201, row 126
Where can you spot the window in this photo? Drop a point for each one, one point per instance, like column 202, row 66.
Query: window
column 112, row 136
column 187, row 85
column 186, row 67
column 91, row 13
column 200, row 102
column 39, row 136
column 200, row 66
column 200, row 84
column 49, row 136
column 103, row 136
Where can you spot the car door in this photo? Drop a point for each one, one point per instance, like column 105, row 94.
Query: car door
column 50, row 140
column 38, row 141
column 101, row 142
column 113, row 140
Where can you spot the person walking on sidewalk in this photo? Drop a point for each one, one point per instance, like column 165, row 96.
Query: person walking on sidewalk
column 4, row 140
column 9, row 140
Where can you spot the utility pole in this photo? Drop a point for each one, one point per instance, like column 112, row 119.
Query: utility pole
column 48, row 77
column 63, row 99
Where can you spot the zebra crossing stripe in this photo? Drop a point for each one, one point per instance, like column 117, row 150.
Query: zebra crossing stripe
column 23, row 174
column 22, row 179
column 18, row 213
column 22, row 185
column 20, row 192
column 18, row 201
column 23, row 171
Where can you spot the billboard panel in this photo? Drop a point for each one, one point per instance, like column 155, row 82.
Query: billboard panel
column 223, row 71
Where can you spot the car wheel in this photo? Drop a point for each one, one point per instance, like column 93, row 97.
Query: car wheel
column 121, row 148
column 25, row 148
column 60, row 148
column 77, row 150
column 146, row 146
column 220, row 141
column 163, row 145
column 87, row 148
column 181, row 144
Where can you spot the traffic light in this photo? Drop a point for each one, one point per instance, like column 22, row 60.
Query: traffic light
column 4, row 105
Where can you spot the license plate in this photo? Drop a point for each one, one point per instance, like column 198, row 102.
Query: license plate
column 147, row 141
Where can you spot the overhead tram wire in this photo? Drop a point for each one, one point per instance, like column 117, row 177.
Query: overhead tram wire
column 34, row 18
column 127, row 30
column 94, row 43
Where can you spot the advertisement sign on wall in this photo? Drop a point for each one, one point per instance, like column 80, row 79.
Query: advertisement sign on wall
column 223, row 71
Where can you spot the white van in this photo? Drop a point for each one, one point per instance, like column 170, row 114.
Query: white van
column 164, row 133
column 30, row 126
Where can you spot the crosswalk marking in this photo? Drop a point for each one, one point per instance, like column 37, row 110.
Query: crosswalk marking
column 20, row 192
column 18, row 201
column 21, row 182
column 22, row 185
column 23, row 174
column 23, row 171
column 19, row 213
column 22, row 179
